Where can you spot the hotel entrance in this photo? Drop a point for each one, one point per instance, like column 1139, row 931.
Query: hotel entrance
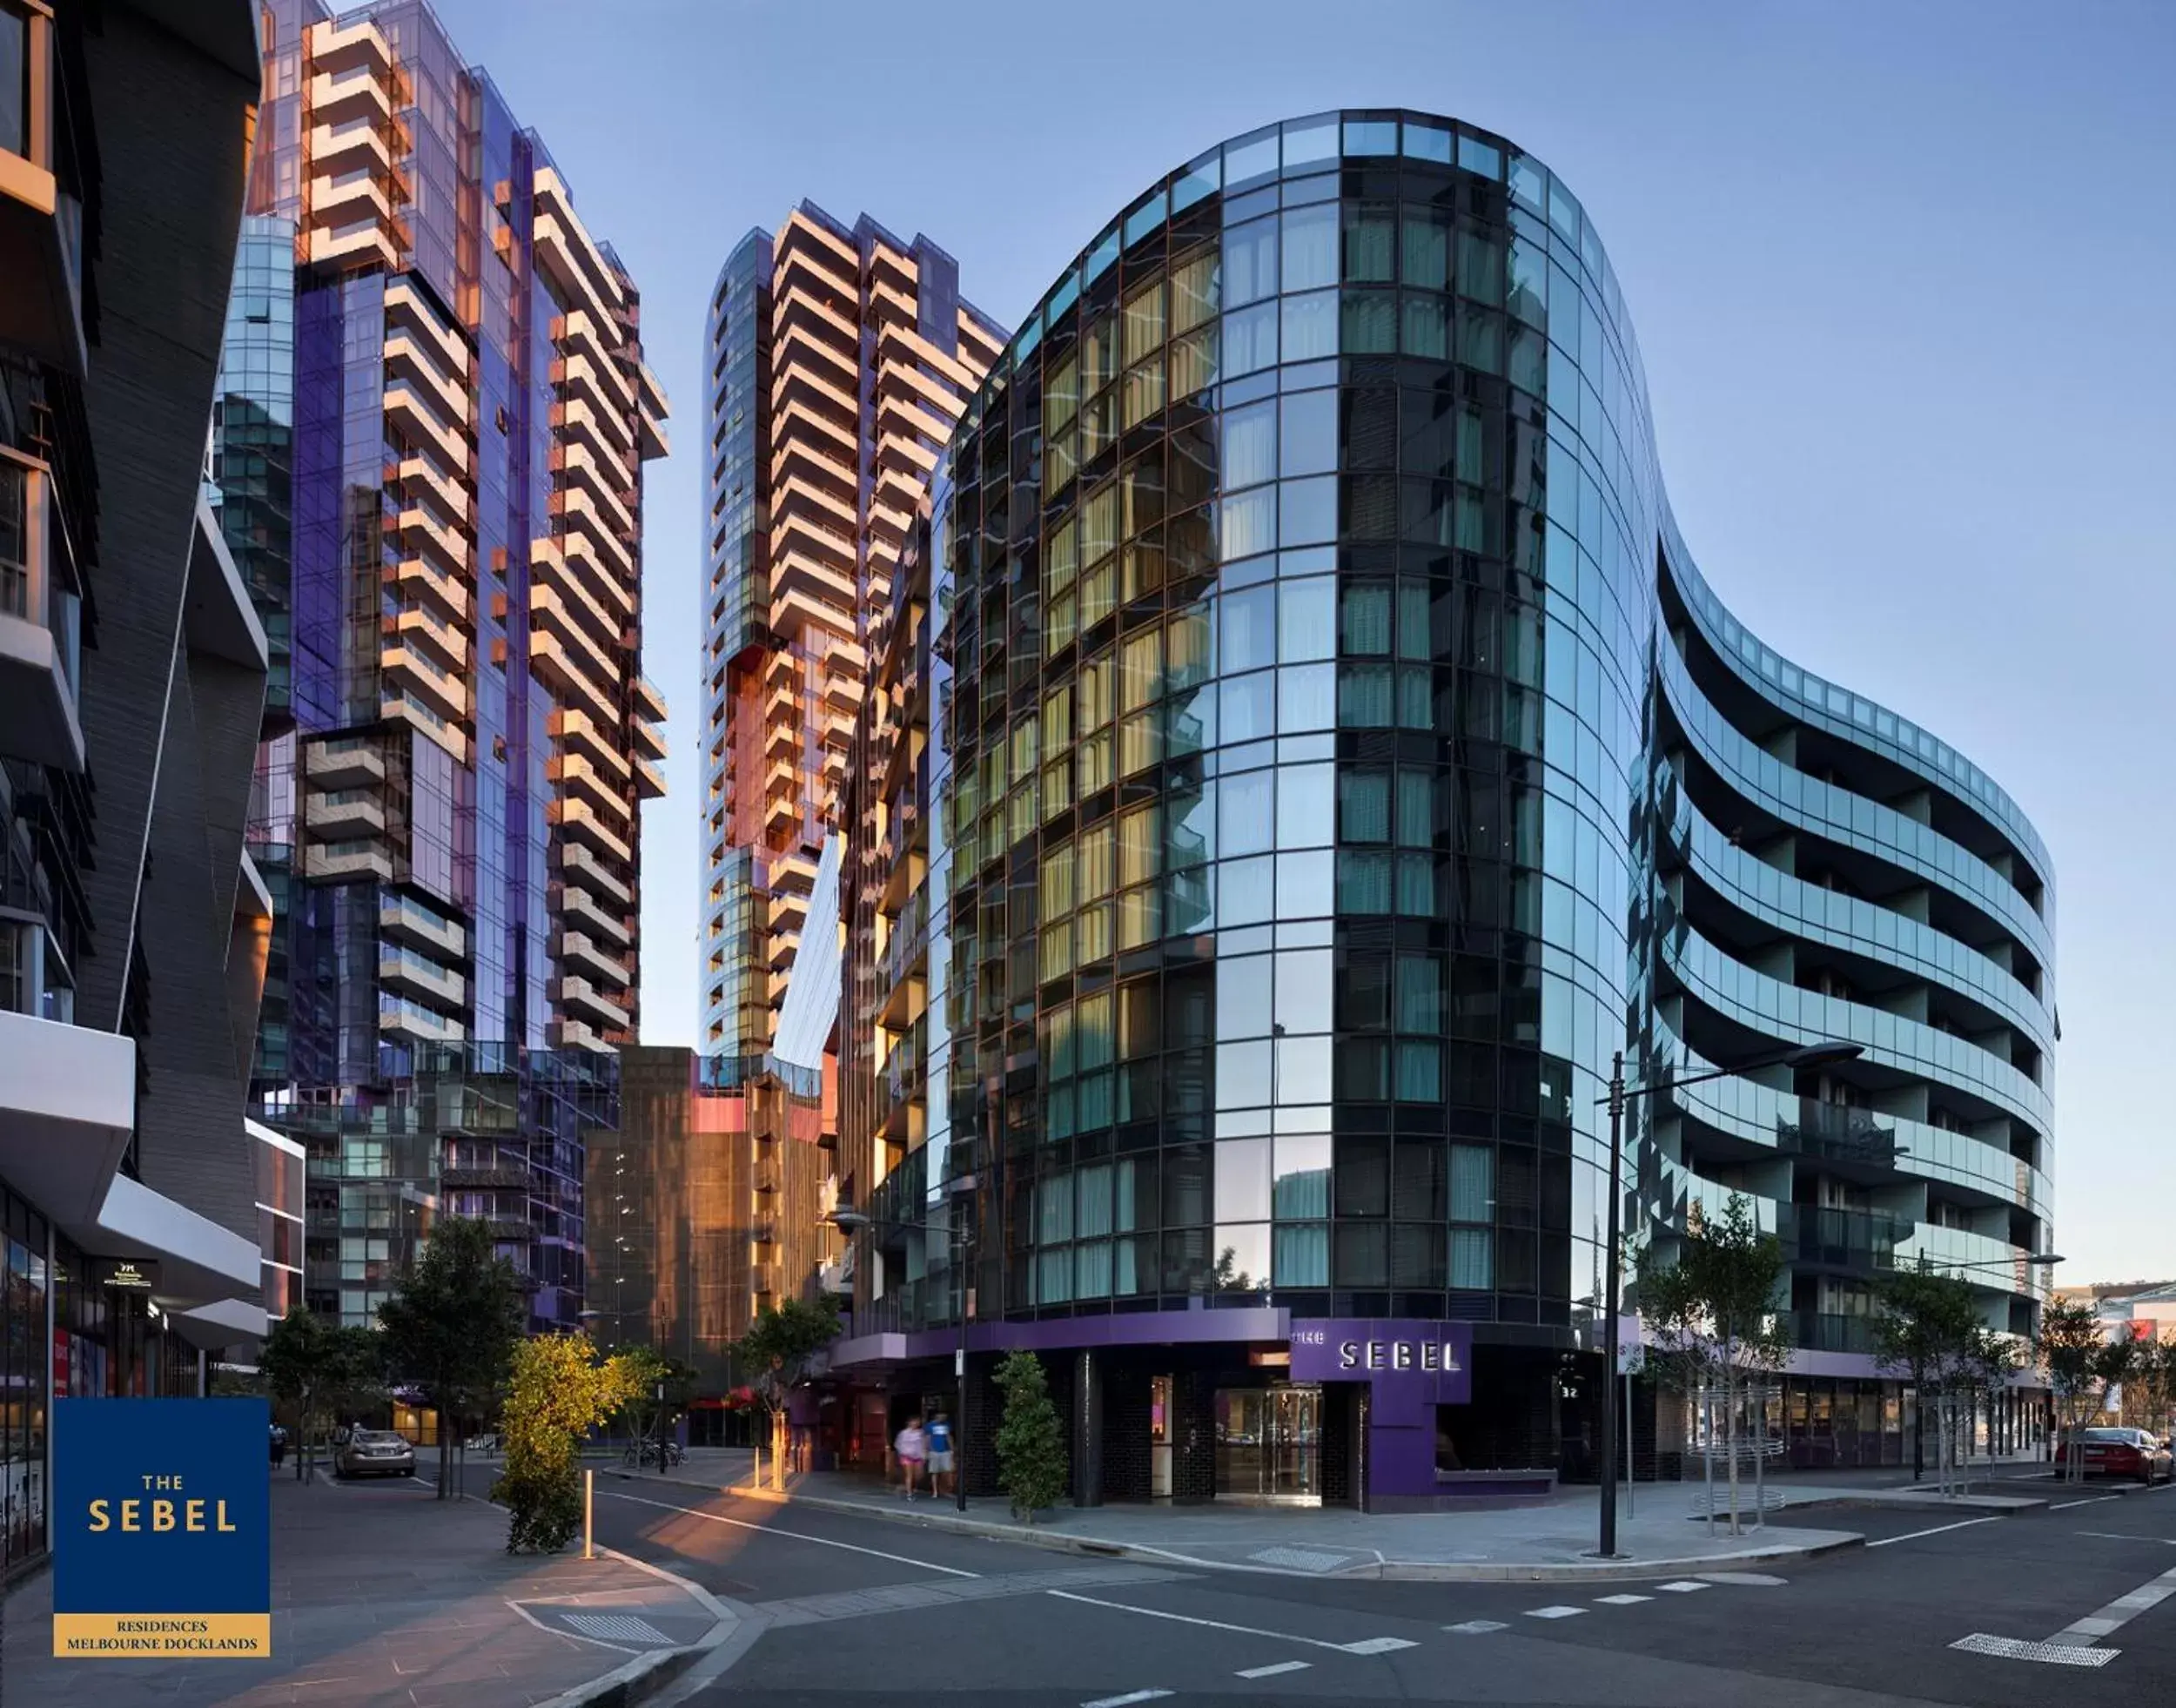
column 1269, row 1444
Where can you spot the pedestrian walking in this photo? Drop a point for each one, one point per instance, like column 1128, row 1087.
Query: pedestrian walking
column 940, row 1440
column 912, row 1446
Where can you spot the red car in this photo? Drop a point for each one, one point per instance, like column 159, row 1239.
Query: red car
column 2125, row 1453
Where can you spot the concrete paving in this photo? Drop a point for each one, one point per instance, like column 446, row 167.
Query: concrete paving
column 384, row 1598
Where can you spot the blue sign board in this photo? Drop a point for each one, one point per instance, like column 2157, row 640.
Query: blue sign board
column 162, row 1528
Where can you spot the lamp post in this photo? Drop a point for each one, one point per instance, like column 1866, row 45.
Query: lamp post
column 1799, row 1055
column 851, row 1222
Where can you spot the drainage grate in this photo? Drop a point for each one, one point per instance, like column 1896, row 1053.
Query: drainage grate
column 617, row 1628
column 1298, row 1559
column 2055, row 1654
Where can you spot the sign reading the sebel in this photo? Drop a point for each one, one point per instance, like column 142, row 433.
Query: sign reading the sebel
column 162, row 1528
column 1427, row 1362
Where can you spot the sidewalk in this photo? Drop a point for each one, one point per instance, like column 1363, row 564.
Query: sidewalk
column 384, row 1598
column 1514, row 1545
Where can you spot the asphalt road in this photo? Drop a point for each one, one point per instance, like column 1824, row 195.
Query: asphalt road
column 839, row 1609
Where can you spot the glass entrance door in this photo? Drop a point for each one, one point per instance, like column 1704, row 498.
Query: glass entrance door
column 1269, row 1444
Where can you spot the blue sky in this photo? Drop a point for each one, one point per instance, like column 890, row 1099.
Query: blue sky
column 1901, row 276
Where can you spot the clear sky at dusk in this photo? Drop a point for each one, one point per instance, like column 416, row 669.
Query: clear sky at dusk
column 1901, row 276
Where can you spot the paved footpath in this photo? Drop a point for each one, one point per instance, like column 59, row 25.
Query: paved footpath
column 385, row 1597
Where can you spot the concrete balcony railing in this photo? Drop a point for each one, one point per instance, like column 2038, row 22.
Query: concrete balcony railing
column 355, row 91
column 343, row 815
column 584, row 869
column 349, row 762
column 339, row 862
column 586, row 1000
column 404, row 969
column 406, row 921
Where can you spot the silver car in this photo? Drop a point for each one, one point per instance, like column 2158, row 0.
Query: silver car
column 375, row 1453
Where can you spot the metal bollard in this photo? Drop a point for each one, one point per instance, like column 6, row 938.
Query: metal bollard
column 589, row 1515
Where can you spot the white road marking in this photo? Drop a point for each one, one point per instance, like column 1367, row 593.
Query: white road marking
column 1621, row 1601
column 1751, row 1580
column 2076, row 1644
column 2065, row 1506
column 1478, row 1627
column 795, row 1535
column 2117, row 1535
column 1376, row 1645
column 1684, row 1586
column 1219, row 1624
column 1913, row 1536
column 1559, row 1612
column 1271, row 1671
column 1121, row 1701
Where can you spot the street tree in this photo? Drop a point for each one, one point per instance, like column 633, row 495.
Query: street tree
column 1981, row 1371
column 656, row 1383
column 451, row 1325
column 1711, row 1309
column 776, row 1352
column 1031, row 1468
column 2151, row 1394
column 1922, row 1322
column 2071, row 1346
column 296, row 1362
column 559, row 1389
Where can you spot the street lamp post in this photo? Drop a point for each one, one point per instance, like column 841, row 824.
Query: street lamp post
column 1803, row 1055
column 850, row 1222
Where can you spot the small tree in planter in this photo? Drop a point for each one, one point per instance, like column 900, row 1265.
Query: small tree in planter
column 1031, row 1468
column 2071, row 1346
column 558, row 1392
column 1925, row 1321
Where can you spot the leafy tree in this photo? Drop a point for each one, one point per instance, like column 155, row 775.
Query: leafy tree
column 559, row 1389
column 1713, row 1312
column 1981, row 1370
column 650, row 1373
column 296, row 1362
column 1925, row 1320
column 1031, row 1468
column 2151, row 1392
column 451, row 1325
column 777, row 1350
column 2073, row 1347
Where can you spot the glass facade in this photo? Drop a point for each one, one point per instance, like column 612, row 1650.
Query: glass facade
column 1339, row 759
column 430, row 450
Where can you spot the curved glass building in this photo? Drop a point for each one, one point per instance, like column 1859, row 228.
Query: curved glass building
column 1309, row 752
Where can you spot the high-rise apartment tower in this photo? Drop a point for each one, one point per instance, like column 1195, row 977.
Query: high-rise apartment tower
column 433, row 417
column 839, row 359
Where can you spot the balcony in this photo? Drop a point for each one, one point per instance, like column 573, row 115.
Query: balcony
column 581, row 954
column 420, row 477
column 577, row 777
column 578, row 378
column 416, row 576
column 404, row 969
column 579, row 330
column 587, row 1001
column 422, row 627
column 579, row 907
column 580, row 822
column 423, row 678
column 400, row 1018
column 567, row 672
column 405, row 308
column 351, row 762
column 584, row 870
column 649, row 782
column 420, row 534
column 405, row 920
column 572, row 1034
column 357, row 144
column 577, row 732
column 343, row 198
column 368, row 242
column 412, row 409
column 355, row 91
column 1825, row 1331
column 421, row 362
column 41, row 224
column 344, row 815
column 340, row 862
column 40, row 619
column 486, row 1179
column 338, row 47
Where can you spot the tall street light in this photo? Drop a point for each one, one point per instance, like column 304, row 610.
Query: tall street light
column 850, row 1222
column 1798, row 1055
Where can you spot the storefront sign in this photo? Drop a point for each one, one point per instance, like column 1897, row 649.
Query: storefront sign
column 162, row 1531
column 129, row 1274
column 1419, row 1363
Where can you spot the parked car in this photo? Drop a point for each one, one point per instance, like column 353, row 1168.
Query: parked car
column 374, row 1452
column 2117, row 1452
